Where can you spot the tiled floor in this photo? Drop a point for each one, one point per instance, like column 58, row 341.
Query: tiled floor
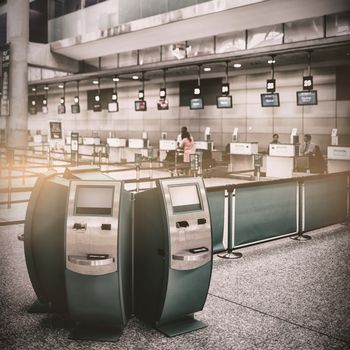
column 280, row 295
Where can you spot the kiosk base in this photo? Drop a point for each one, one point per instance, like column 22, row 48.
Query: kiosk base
column 180, row 326
column 39, row 308
column 95, row 333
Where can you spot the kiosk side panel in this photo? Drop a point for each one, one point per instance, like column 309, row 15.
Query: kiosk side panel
column 48, row 241
column 150, row 256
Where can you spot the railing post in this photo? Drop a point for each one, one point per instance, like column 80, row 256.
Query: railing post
column 229, row 253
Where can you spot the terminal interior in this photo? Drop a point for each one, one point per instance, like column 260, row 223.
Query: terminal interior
column 175, row 176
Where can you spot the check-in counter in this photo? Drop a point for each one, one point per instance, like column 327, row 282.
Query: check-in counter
column 88, row 146
column 136, row 146
column 242, row 155
column 116, row 149
column 338, row 158
column 280, row 161
column 165, row 146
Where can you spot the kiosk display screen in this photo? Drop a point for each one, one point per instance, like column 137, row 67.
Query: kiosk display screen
column 224, row 102
column 91, row 200
column 185, row 198
column 196, row 103
column 305, row 98
column 270, row 100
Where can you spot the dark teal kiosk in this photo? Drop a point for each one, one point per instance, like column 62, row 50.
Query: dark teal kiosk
column 44, row 236
column 98, row 259
column 172, row 254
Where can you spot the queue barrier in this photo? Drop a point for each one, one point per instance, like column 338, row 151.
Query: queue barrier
column 267, row 210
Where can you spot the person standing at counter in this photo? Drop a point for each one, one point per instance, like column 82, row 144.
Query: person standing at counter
column 181, row 136
column 316, row 160
column 275, row 140
column 188, row 145
column 308, row 147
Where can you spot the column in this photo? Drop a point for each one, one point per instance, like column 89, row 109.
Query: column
column 18, row 37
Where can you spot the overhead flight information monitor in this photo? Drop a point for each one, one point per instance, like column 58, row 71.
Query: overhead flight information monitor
column 270, row 100
column 224, row 102
column 307, row 98
column 196, row 103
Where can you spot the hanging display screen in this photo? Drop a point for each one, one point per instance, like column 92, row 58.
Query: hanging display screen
column 224, row 102
column 270, row 100
column 196, row 103
column 307, row 98
column 140, row 106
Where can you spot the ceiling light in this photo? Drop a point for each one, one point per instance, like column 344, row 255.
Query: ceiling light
column 115, row 78
column 95, row 82
column 61, row 86
column 237, row 65
column 271, row 61
column 76, row 99
column 46, row 88
column 135, row 77
column 33, row 89
column 207, row 69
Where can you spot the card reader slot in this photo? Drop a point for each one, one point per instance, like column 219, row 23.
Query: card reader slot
column 182, row 224
column 187, row 256
column 85, row 261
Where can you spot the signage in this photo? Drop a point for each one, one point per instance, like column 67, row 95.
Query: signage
column 55, row 130
column 307, row 98
column 270, row 100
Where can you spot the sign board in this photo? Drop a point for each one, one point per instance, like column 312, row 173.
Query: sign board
column 5, row 81
column 74, row 142
column 55, row 130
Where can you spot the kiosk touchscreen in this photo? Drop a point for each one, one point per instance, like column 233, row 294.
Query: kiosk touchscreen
column 97, row 258
column 173, row 254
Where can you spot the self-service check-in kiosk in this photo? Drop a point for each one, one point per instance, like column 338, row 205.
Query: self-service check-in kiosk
column 44, row 236
column 98, row 258
column 173, row 254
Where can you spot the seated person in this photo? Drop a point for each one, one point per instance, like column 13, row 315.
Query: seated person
column 275, row 140
column 308, row 147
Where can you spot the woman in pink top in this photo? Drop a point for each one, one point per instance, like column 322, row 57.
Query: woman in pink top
column 188, row 146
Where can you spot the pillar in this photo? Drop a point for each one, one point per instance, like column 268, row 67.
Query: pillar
column 18, row 37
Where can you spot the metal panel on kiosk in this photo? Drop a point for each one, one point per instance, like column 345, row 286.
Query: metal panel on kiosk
column 98, row 256
column 173, row 254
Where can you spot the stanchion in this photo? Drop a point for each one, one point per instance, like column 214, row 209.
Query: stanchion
column 229, row 253
column 301, row 237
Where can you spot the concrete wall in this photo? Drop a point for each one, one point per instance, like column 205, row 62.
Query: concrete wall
column 254, row 122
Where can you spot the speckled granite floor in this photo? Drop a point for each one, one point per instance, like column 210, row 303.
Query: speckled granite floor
column 280, row 295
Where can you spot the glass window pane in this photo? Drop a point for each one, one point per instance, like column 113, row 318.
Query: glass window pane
column 230, row 42
column 306, row 29
column 128, row 58
column 265, row 36
column 338, row 24
column 72, row 5
column 150, row 55
column 200, row 47
column 174, row 51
